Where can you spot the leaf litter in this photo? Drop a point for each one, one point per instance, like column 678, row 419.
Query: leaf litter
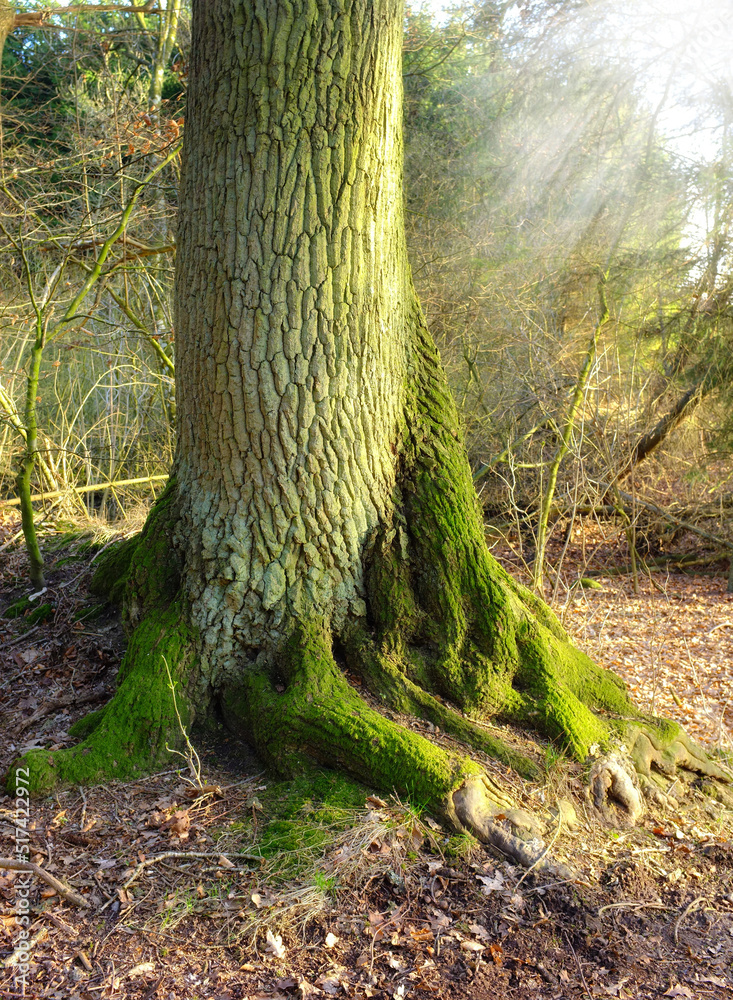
column 673, row 648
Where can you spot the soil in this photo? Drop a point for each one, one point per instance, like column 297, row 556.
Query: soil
column 378, row 902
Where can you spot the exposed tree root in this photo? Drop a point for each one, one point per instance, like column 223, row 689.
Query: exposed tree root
column 129, row 735
column 662, row 760
column 514, row 833
column 614, row 791
column 309, row 713
column 656, row 757
column 386, row 679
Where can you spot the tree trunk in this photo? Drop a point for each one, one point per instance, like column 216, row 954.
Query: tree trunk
column 167, row 31
column 7, row 22
column 321, row 513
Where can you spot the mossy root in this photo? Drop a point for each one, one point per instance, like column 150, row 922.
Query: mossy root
column 131, row 735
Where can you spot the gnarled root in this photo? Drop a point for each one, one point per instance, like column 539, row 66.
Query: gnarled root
column 134, row 732
column 614, row 791
column 669, row 760
column 316, row 714
column 385, row 678
column 661, row 762
column 476, row 807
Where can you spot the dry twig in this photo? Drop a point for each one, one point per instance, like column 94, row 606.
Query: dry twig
column 633, row 904
column 688, row 909
column 166, row 855
column 61, row 888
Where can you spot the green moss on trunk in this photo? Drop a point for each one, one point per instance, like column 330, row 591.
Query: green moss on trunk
column 385, row 678
column 311, row 714
column 113, row 570
column 449, row 621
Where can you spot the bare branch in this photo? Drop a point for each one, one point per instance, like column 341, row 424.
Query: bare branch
column 39, row 18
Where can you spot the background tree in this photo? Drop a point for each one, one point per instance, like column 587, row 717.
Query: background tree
column 80, row 136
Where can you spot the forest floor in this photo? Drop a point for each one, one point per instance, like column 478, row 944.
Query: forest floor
column 267, row 890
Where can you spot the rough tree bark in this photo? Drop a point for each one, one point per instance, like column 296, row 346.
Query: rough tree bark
column 320, row 520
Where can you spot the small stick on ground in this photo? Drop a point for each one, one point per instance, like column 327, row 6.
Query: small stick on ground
column 181, row 854
column 61, row 888
column 633, row 904
column 20, row 953
column 688, row 909
column 579, row 966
